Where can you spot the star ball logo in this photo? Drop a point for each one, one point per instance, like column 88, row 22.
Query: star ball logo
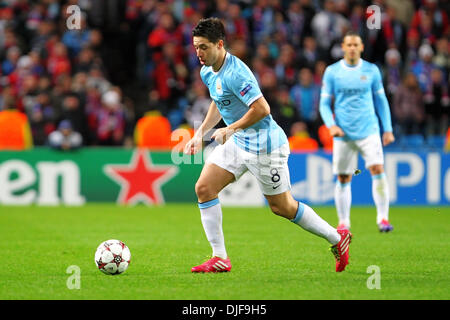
column 140, row 180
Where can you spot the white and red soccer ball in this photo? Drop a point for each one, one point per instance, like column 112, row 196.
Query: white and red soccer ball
column 112, row 257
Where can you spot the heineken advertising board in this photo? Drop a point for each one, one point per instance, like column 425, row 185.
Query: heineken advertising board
column 126, row 176
column 130, row 176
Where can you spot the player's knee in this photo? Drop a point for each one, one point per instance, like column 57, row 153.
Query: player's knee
column 376, row 169
column 281, row 210
column 278, row 210
column 344, row 178
column 203, row 191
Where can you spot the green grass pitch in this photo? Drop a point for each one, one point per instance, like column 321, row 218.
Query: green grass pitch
column 272, row 258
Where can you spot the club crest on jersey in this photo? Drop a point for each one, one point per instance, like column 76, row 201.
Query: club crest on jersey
column 219, row 89
column 363, row 78
column 245, row 90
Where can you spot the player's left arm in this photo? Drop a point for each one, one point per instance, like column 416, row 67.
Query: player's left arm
column 245, row 87
column 382, row 107
column 258, row 110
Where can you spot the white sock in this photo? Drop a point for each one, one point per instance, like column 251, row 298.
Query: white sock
column 343, row 201
column 211, row 215
column 310, row 221
column 380, row 193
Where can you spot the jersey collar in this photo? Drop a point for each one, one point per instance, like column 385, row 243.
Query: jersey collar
column 223, row 64
column 346, row 66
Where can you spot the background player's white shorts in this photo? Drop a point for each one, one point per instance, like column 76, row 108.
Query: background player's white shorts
column 271, row 170
column 345, row 153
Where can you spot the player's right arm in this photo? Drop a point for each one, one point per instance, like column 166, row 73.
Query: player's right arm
column 211, row 119
column 326, row 96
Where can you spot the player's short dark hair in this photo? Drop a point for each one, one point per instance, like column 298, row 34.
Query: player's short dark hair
column 211, row 29
column 351, row 33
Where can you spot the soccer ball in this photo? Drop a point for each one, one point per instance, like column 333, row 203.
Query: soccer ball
column 112, row 257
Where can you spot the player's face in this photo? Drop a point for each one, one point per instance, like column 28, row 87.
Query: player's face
column 352, row 47
column 207, row 52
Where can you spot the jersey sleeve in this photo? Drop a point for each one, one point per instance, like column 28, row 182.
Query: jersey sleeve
column 244, row 86
column 380, row 101
column 326, row 95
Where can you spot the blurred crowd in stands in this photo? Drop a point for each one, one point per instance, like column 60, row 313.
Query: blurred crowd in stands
column 131, row 57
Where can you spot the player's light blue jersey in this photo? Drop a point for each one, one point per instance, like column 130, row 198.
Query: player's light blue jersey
column 234, row 88
column 358, row 98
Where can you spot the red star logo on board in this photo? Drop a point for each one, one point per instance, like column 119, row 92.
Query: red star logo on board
column 140, row 180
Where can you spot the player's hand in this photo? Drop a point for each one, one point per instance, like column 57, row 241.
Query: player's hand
column 221, row 135
column 193, row 146
column 388, row 137
column 336, row 131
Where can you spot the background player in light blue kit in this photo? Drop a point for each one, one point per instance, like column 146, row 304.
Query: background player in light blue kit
column 359, row 101
column 251, row 141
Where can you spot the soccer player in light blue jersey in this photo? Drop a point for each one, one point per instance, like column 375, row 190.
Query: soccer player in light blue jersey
column 359, row 101
column 251, row 141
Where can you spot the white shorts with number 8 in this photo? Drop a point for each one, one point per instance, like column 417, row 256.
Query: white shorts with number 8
column 271, row 170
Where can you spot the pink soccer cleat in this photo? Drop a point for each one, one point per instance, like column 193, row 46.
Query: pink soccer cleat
column 342, row 226
column 341, row 250
column 215, row 264
column 385, row 226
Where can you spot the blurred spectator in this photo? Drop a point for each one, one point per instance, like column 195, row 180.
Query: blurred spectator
column 357, row 19
column 12, row 57
column 285, row 65
column 73, row 109
column 328, row 26
column 437, row 104
column 169, row 77
column 412, row 51
column 404, row 10
column 42, row 117
column 153, row 131
column 309, row 54
column 408, row 108
column 319, row 70
column 77, row 39
column 235, row 24
column 297, row 20
column 15, row 133
column 58, row 62
column 422, row 69
column 305, row 95
column 442, row 57
column 166, row 32
column 111, row 120
column 392, row 72
column 394, row 32
column 284, row 111
column 299, row 139
column 430, row 20
column 263, row 15
column 200, row 102
column 325, row 138
column 65, row 138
